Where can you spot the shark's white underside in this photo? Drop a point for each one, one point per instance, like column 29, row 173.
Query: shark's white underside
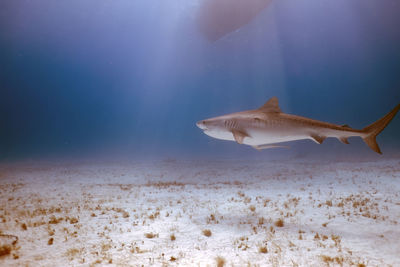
column 257, row 137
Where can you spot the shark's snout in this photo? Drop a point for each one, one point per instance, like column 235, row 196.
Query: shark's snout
column 201, row 125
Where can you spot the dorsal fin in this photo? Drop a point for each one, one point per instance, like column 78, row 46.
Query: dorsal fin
column 345, row 126
column 271, row 105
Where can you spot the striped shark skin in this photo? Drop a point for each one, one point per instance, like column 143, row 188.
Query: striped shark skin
column 268, row 127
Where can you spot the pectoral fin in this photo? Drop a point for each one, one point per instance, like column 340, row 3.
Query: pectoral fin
column 317, row 138
column 261, row 147
column 344, row 140
column 239, row 136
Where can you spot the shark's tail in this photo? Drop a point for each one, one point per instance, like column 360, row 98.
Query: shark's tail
column 375, row 128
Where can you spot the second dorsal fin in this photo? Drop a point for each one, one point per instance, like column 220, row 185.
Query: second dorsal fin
column 271, row 105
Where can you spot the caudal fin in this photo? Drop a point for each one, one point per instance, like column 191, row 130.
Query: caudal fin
column 375, row 128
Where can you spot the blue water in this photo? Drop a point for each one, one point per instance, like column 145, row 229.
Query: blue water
column 131, row 78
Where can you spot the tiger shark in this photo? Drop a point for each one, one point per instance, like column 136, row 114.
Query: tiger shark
column 267, row 126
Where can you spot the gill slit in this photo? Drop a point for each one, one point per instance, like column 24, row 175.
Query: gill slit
column 230, row 124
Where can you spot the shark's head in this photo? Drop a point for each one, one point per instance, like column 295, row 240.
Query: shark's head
column 213, row 124
column 244, row 127
column 218, row 127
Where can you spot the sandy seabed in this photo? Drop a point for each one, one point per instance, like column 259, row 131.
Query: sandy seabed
column 201, row 213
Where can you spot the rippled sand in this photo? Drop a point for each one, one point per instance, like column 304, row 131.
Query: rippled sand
column 199, row 213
